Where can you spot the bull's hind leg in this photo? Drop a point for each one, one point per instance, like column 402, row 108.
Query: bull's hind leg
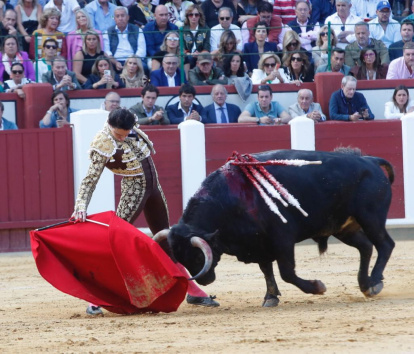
column 360, row 241
column 286, row 263
column 272, row 292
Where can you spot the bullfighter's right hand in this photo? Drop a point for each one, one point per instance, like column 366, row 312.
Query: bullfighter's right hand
column 78, row 216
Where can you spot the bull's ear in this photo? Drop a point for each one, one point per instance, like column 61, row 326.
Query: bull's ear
column 211, row 238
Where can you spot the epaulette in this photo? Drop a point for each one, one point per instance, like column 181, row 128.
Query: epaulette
column 104, row 144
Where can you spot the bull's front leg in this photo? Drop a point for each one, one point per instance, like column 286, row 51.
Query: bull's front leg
column 272, row 292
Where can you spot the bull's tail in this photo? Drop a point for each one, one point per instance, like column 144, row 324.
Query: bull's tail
column 386, row 165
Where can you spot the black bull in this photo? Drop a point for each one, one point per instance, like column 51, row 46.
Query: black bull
column 347, row 196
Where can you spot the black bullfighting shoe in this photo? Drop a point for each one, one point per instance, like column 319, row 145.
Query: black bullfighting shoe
column 207, row 301
column 94, row 310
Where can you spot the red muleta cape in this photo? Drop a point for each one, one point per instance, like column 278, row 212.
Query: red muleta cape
column 116, row 267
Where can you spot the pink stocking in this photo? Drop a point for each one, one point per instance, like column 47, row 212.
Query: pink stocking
column 193, row 289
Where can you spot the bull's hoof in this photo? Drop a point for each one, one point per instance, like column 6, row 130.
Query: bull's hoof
column 320, row 287
column 272, row 302
column 374, row 290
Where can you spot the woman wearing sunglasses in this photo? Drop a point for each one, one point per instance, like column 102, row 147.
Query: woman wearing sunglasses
column 291, row 44
column 196, row 34
column 297, row 68
column 320, row 51
column 170, row 44
column 370, row 68
column 269, row 71
column 17, row 80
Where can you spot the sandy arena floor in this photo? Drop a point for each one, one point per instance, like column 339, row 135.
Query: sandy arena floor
column 35, row 317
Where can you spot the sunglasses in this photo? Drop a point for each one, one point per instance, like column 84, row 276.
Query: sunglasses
column 293, row 44
column 299, row 59
column 174, row 39
column 17, row 72
column 225, row 18
column 270, row 65
column 50, row 46
column 194, row 15
column 323, row 34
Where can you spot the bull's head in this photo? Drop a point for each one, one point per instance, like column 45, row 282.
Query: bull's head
column 192, row 251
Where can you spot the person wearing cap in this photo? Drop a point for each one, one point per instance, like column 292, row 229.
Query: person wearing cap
column 403, row 68
column 264, row 111
column 220, row 111
column 384, row 28
column 343, row 22
column 204, row 73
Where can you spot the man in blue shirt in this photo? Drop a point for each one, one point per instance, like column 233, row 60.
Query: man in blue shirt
column 101, row 13
column 347, row 104
column 4, row 123
column 264, row 111
column 155, row 31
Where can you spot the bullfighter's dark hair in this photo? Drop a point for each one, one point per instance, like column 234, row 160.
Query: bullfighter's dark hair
column 58, row 92
column 150, row 88
column 121, row 118
column 188, row 89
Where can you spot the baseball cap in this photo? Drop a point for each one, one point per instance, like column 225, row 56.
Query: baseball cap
column 383, row 5
column 204, row 58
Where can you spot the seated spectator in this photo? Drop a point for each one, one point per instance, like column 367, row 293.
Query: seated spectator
column 112, row 101
column 147, row 111
column 307, row 31
column 320, row 51
column 67, row 10
column 239, row 11
column 10, row 53
column 133, row 74
column 141, row 13
column 204, row 73
column 176, row 11
column 49, row 23
column 28, row 13
column 383, row 27
column 227, row 45
column 50, row 47
column 60, row 77
column 169, row 75
column 298, row 69
column 306, row 108
column 211, row 9
column 403, row 68
column 75, row 39
column 269, row 71
column 367, row 10
column 343, row 22
column 370, row 68
column 253, row 50
column 196, row 34
column 156, row 30
column 102, row 13
column 8, row 27
column 285, row 9
column 264, row 111
column 185, row 108
column 291, row 44
column 337, row 63
column 400, row 104
column 103, row 76
column 273, row 23
column 321, row 9
column 395, row 49
column 220, row 111
column 4, row 123
column 85, row 58
column 233, row 67
column 170, row 44
column 347, row 104
column 225, row 18
column 17, row 80
column 353, row 50
column 123, row 39
column 250, row 8
column 58, row 115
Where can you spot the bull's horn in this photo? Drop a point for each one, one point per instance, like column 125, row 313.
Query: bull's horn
column 208, row 255
column 161, row 235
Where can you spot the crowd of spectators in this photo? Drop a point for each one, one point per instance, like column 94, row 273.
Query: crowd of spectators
column 112, row 44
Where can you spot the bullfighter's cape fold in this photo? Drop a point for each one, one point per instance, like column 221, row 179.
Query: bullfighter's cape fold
column 117, row 267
